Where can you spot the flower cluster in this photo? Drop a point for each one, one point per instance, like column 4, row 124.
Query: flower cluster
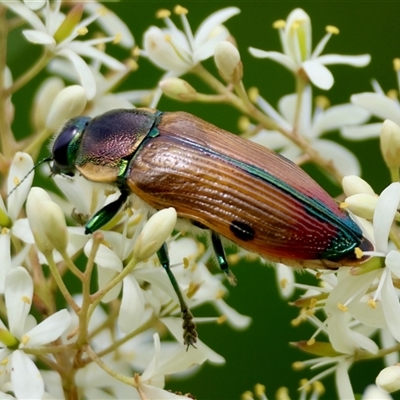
column 90, row 312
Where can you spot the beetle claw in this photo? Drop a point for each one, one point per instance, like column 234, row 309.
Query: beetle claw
column 189, row 329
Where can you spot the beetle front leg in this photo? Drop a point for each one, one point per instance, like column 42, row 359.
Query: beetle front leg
column 189, row 327
column 106, row 214
column 221, row 258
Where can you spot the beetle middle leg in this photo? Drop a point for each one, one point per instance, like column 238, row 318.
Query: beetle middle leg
column 189, row 327
column 221, row 257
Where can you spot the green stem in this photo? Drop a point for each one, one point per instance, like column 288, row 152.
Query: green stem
column 122, row 378
column 300, row 85
column 31, row 73
column 38, row 141
column 84, row 315
column 60, row 283
column 7, row 140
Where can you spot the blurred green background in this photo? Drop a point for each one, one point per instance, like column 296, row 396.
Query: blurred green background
column 262, row 354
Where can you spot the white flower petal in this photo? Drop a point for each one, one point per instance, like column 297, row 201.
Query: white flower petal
column 26, row 13
column 343, row 383
column 285, row 280
column 85, row 74
column 104, row 276
column 111, row 23
column 361, row 132
column 18, row 297
column 5, row 242
column 131, row 311
column 21, row 165
column 50, row 329
column 152, row 392
column 391, row 306
column 393, row 262
column 318, row 74
column 234, row 319
column 174, row 325
column 378, row 105
column 385, row 211
column 373, row 392
column 86, row 50
column 35, row 4
column 105, row 257
column 356, row 61
column 38, row 37
column 275, row 56
column 343, row 159
column 211, row 22
column 337, row 116
column 297, row 35
column 26, row 380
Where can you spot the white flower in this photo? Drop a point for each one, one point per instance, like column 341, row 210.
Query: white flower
column 297, row 56
column 27, row 383
column 179, row 51
column 10, row 225
column 380, row 105
column 311, row 124
column 58, row 33
column 151, row 381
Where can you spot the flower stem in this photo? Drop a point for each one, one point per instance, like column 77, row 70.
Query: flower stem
column 122, row 378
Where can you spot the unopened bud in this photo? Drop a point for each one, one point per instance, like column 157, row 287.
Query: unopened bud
column 156, row 231
column 389, row 378
column 390, row 143
column 353, row 184
column 178, row 89
column 47, row 221
column 69, row 103
column 361, row 204
column 227, row 59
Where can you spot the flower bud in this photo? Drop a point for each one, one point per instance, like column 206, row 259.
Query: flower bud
column 44, row 99
column 69, row 103
column 389, row 378
column 156, row 231
column 47, row 221
column 361, row 204
column 390, row 143
column 227, row 59
column 353, row 184
column 178, row 89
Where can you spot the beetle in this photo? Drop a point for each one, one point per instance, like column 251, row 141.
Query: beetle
column 230, row 186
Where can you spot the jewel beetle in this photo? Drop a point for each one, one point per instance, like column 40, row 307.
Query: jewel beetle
column 222, row 183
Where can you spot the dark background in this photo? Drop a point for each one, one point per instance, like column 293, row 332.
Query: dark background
column 262, row 354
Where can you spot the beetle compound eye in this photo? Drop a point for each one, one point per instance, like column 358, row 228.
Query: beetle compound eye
column 63, row 152
column 60, row 147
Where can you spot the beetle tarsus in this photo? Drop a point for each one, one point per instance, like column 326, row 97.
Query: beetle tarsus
column 221, row 258
column 189, row 327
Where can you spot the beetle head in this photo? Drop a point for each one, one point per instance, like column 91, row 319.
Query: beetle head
column 66, row 145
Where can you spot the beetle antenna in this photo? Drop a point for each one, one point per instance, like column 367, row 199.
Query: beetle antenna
column 47, row 159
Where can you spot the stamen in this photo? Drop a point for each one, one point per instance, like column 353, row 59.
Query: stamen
column 26, row 299
column 342, row 307
column 392, row 94
column 253, row 94
column 284, row 283
column 332, row 29
column 117, row 38
column 396, row 64
column 322, row 102
column 279, row 24
column 298, row 365
column 16, row 181
column 359, row 253
column 163, row 13
column 179, row 10
column 372, row 304
column 82, row 31
column 310, row 342
column 221, row 320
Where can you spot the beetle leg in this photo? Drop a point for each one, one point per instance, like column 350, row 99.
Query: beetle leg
column 189, row 327
column 221, row 258
column 106, row 214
